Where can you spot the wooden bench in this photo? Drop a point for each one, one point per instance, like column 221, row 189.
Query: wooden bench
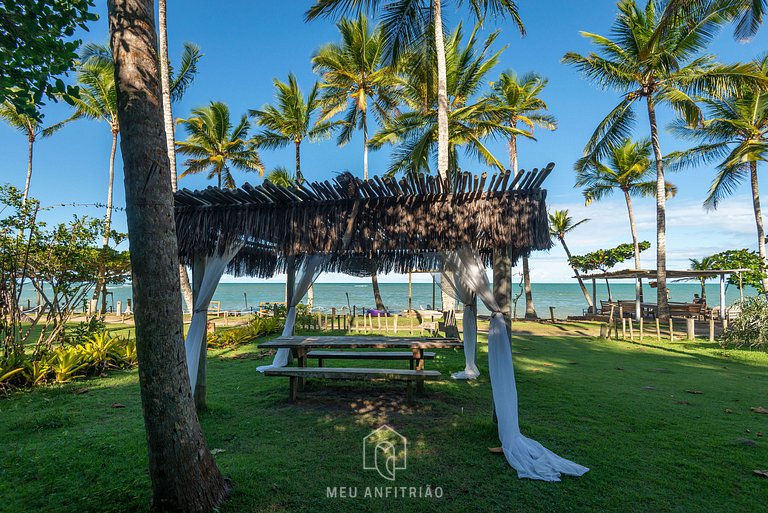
column 367, row 355
column 296, row 373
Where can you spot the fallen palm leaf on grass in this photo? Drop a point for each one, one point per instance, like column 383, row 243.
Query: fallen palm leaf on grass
column 759, row 409
column 761, row 473
column 695, row 392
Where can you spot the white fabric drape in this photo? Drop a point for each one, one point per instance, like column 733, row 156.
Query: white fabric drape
column 530, row 458
column 213, row 268
column 452, row 285
column 305, row 276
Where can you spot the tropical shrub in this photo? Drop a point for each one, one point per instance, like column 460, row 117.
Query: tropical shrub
column 66, row 364
column 99, row 351
column 256, row 327
column 11, row 370
column 750, row 329
column 126, row 353
column 36, row 371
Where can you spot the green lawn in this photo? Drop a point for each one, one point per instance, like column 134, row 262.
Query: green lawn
column 619, row 408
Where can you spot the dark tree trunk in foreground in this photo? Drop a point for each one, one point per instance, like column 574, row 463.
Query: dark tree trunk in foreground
column 183, row 473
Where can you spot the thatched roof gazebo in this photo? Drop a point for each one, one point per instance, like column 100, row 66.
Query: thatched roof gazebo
column 418, row 222
column 399, row 225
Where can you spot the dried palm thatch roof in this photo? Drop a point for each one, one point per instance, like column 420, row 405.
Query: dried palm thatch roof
column 382, row 223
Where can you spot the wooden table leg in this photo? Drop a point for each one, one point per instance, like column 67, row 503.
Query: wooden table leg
column 418, row 357
column 293, row 386
column 409, row 394
column 302, row 363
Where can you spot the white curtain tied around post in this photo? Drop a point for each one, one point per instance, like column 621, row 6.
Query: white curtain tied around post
column 452, row 285
column 531, row 459
column 305, row 276
column 213, row 268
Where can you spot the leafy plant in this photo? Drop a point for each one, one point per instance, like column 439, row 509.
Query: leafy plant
column 741, row 259
column 66, row 363
column 604, row 259
column 10, row 369
column 36, row 371
column 98, row 350
column 126, row 352
column 750, row 329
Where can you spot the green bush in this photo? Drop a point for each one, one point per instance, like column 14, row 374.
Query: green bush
column 750, row 329
column 256, row 327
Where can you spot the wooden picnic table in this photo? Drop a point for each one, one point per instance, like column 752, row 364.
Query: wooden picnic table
column 300, row 346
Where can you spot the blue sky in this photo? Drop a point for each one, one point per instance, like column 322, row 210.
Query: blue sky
column 248, row 44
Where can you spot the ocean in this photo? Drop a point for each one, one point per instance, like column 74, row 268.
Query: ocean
column 566, row 298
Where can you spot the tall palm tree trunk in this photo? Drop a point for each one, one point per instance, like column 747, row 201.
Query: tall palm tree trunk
column 365, row 145
column 442, row 92
column 182, row 470
column 662, row 303
column 578, row 276
column 31, row 138
column 635, row 242
column 101, row 282
column 530, row 309
column 170, row 135
column 299, row 177
column 377, row 291
column 165, row 82
column 512, row 147
column 758, row 219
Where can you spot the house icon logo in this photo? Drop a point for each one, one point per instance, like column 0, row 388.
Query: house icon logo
column 386, row 451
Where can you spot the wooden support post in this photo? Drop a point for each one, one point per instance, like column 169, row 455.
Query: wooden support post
column 386, row 324
column 641, row 329
column 552, row 314
column 671, row 330
column 610, row 322
column 395, row 320
column 711, row 329
column 725, row 323
column 623, row 323
column 658, row 329
column 723, row 314
column 198, row 269
column 631, row 329
column 378, row 321
column 502, row 291
column 690, row 328
column 604, row 330
column 333, row 318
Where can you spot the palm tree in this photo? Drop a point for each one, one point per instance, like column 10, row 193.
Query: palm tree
column 653, row 56
column 517, row 100
column 97, row 100
column 290, row 121
column 406, row 23
column 354, row 77
column 735, row 135
column 629, row 170
column 281, row 176
column 173, row 88
column 30, row 127
column 214, row 146
column 560, row 223
column 748, row 14
column 705, row 264
column 415, row 132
